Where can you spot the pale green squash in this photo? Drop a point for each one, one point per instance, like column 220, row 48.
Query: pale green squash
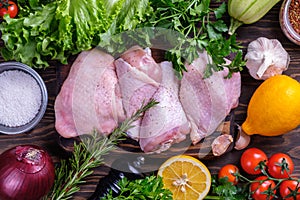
column 247, row 11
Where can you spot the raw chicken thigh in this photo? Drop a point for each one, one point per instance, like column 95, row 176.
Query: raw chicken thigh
column 142, row 60
column 139, row 78
column 232, row 88
column 207, row 101
column 165, row 123
column 90, row 97
column 100, row 92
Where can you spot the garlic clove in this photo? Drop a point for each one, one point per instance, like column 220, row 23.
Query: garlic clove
column 265, row 58
column 221, row 144
column 242, row 140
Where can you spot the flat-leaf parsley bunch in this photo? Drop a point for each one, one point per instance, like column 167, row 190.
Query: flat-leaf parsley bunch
column 202, row 27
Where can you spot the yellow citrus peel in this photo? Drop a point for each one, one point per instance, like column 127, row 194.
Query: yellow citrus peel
column 274, row 108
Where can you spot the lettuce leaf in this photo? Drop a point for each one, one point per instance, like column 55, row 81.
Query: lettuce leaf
column 24, row 38
column 58, row 29
column 128, row 19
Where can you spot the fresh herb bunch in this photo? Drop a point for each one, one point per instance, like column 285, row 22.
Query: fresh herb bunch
column 202, row 28
column 151, row 187
column 87, row 155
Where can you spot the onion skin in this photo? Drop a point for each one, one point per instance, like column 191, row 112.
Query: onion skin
column 26, row 173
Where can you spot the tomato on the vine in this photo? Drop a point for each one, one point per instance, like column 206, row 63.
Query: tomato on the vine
column 280, row 165
column 290, row 190
column 229, row 171
column 262, row 188
column 10, row 8
column 250, row 160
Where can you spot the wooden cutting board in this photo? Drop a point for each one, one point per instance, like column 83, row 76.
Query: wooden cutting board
column 130, row 148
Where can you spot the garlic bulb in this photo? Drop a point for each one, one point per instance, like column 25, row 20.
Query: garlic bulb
column 265, row 58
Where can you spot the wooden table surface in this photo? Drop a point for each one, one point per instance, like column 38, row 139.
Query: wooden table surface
column 46, row 136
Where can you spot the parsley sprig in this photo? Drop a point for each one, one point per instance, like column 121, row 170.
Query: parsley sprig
column 183, row 28
column 222, row 189
column 202, row 28
column 151, row 187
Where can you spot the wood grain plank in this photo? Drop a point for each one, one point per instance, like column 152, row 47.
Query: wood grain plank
column 46, row 136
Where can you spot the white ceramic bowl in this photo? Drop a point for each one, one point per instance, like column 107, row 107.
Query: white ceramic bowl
column 285, row 23
column 24, row 128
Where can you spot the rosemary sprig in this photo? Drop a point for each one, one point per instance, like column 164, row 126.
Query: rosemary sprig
column 87, row 155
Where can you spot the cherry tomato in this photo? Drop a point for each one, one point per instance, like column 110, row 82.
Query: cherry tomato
column 259, row 190
column 11, row 9
column 290, row 187
column 250, row 160
column 280, row 165
column 228, row 171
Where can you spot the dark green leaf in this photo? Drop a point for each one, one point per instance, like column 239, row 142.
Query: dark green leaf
column 212, row 33
column 225, row 190
column 220, row 26
column 219, row 12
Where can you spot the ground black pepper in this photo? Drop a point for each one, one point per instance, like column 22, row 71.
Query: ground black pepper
column 294, row 15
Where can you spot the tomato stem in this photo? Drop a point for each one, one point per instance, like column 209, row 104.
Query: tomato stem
column 5, row 4
column 270, row 191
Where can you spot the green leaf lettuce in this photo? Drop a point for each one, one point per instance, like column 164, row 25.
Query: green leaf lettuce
column 58, row 29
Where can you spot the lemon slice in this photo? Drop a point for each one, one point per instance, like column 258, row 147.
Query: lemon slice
column 186, row 177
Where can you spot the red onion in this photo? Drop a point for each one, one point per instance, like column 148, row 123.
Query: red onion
column 26, row 172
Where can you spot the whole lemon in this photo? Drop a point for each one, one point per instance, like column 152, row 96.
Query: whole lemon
column 274, row 108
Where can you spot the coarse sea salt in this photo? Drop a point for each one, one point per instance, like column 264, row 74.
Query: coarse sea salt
column 20, row 98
